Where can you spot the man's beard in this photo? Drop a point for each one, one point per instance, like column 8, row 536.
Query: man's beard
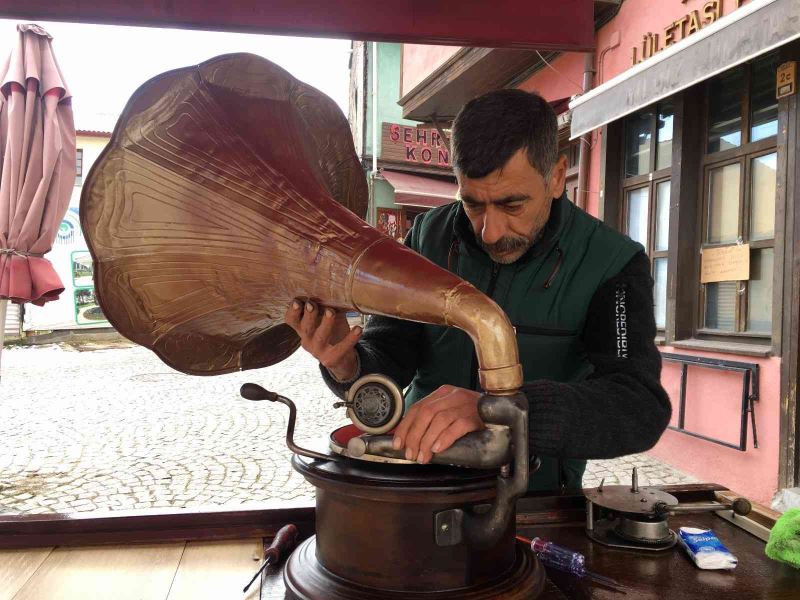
column 508, row 248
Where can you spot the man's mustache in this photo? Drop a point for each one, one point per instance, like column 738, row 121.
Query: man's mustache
column 506, row 244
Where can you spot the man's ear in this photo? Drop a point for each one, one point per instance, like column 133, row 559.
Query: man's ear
column 558, row 177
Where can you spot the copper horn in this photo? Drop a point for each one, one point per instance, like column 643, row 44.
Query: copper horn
column 230, row 188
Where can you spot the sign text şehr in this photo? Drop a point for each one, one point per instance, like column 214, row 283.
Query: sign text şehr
column 414, row 144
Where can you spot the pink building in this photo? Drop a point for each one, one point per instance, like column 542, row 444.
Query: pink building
column 682, row 132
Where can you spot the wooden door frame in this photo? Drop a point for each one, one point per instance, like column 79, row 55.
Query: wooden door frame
column 788, row 190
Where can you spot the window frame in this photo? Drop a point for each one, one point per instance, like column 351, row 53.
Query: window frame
column 649, row 180
column 78, row 167
column 743, row 155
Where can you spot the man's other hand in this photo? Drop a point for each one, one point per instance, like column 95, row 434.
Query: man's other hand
column 435, row 422
column 325, row 334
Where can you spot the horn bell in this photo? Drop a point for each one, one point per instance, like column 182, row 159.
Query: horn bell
column 230, row 188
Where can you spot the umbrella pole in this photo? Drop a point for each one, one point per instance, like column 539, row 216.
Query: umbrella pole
column 3, row 306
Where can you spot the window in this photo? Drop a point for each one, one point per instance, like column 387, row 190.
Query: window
column 646, row 192
column 79, row 167
column 739, row 185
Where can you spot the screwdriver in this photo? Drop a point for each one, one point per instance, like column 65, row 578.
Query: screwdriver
column 282, row 544
column 560, row 558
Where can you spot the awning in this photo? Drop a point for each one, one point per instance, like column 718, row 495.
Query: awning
column 541, row 24
column 415, row 190
column 470, row 72
column 750, row 31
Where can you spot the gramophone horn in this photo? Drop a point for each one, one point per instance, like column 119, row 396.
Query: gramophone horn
column 230, row 188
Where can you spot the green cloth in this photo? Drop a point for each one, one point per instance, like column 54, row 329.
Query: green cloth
column 784, row 539
column 546, row 295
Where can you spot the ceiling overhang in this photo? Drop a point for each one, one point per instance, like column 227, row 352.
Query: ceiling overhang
column 471, row 72
column 562, row 25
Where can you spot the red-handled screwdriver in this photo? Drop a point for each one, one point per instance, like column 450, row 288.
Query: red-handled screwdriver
column 282, row 544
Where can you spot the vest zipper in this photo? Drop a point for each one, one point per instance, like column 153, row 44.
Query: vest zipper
column 490, row 293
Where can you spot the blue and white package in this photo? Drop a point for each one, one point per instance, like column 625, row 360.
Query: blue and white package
column 706, row 550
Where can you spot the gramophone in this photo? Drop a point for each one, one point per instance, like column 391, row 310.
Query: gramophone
column 227, row 190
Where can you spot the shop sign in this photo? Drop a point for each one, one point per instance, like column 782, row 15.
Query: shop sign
column 673, row 32
column 729, row 263
column 389, row 222
column 786, row 82
column 77, row 306
column 424, row 146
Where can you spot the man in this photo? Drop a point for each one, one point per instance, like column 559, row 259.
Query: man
column 578, row 293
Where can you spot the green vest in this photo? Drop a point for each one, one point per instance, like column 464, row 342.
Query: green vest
column 546, row 294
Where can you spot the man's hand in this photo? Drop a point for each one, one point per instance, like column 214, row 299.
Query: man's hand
column 327, row 337
column 435, row 422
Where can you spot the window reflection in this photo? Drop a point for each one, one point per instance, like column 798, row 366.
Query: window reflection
column 723, row 204
column 721, row 305
column 637, row 215
column 662, row 216
column 759, row 301
column 638, row 134
column 660, row 291
column 664, row 136
column 763, row 105
column 725, row 111
column 762, row 200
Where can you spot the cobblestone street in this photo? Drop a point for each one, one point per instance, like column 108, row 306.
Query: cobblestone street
column 116, row 429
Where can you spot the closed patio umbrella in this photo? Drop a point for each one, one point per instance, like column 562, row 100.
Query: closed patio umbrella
column 37, row 168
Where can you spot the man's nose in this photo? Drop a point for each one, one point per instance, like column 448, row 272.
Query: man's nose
column 493, row 228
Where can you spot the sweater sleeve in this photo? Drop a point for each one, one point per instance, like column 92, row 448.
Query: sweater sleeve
column 621, row 408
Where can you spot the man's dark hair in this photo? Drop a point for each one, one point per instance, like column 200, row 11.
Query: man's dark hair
column 491, row 128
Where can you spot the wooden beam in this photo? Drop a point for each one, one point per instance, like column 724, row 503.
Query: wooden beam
column 687, row 173
column 563, row 25
column 30, row 531
column 788, row 191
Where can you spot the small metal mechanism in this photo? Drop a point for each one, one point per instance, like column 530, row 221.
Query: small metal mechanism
column 448, row 527
column 482, row 529
column 374, row 404
column 635, row 517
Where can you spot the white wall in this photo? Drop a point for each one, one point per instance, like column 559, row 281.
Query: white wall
column 65, row 313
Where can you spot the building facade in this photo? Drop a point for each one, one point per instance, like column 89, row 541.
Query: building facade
column 412, row 172
column 682, row 132
column 76, row 307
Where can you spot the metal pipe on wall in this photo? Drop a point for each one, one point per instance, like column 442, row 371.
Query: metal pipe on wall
column 372, row 217
column 584, row 156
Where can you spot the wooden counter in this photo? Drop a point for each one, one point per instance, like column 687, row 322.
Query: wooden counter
column 167, row 556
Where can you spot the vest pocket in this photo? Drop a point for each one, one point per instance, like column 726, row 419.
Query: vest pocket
column 554, row 354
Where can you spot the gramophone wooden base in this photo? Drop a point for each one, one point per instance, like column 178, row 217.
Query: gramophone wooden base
column 306, row 579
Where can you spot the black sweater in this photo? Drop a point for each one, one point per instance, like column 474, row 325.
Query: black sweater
column 620, row 409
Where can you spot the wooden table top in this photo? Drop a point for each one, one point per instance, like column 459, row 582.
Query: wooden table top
column 664, row 575
column 149, row 557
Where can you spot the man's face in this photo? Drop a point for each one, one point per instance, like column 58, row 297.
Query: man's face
column 510, row 206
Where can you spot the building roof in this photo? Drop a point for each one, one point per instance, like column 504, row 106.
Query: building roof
column 95, row 123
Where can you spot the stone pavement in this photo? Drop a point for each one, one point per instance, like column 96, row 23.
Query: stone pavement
column 116, row 429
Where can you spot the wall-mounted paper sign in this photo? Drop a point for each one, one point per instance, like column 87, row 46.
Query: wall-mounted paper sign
column 731, row 263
